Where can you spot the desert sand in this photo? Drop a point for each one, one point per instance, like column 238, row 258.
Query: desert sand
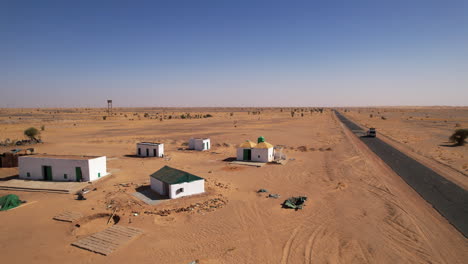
column 358, row 210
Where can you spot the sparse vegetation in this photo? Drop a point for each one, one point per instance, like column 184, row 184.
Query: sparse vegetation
column 104, row 117
column 459, row 137
column 32, row 133
column 42, row 128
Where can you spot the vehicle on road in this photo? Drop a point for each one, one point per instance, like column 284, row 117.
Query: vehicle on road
column 371, row 132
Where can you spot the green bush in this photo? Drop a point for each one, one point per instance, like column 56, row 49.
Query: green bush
column 459, row 136
column 31, row 133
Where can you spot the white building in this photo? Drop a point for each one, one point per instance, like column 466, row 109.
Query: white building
column 62, row 167
column 176, row 183
column 261, row 152
column 199, row 144
column 150, row 149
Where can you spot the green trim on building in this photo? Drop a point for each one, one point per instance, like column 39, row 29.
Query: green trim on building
column 174, row 176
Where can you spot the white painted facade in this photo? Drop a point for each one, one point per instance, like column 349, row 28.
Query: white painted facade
column 148, row 149
column 262, row 154
column 199, row 144
column 178, row 190
column 240, row 153
column 62, row 168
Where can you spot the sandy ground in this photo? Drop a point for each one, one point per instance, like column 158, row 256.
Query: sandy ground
column 358, row 210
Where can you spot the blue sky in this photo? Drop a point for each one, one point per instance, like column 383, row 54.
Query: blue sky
column 233, row 53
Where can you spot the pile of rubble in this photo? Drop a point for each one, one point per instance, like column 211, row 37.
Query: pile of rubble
column 206, row 206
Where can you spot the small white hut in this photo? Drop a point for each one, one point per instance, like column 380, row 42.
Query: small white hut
column 150, row 149
column 62, row 167
column 244, row 151
column 260, row 152
column 199, row 144
column 176, row 183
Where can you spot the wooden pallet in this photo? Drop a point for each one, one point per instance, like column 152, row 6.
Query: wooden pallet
column 108, row 240
column 68, row 216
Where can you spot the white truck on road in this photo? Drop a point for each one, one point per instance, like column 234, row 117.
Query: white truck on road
column 371, row 132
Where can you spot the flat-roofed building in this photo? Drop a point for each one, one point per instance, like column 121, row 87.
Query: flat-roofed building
column 62, row 167
column 150, row 149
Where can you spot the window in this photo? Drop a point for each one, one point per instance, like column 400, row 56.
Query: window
column 65, row 176
column 28, row 174
column 180, row 190
column 258, row 156
column 99, row 175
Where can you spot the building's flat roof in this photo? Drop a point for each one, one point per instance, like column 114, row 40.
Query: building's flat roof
column 69, row 157
column 149, row 143
column 200, row 138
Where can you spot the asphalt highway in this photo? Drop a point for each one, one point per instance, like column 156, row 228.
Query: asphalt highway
column 446, row 197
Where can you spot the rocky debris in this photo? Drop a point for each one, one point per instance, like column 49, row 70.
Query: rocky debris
column 274, row 195
column 262, row 191
column 302, row 148
column 206, row 206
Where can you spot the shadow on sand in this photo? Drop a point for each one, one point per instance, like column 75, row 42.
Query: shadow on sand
column 149, row 196
column 230, row 159
column 7, row 178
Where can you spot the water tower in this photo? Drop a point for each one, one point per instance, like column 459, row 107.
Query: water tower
column 109, row 107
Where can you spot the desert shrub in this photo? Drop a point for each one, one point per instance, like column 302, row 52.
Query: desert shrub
column 302, row 114
column 457, row 125
column 104, row 117
column 146, row 115
column 371, row 115
column 207, row 116
column 231, row 114
column 292, row 113
column 383, row 118
column 182, row 116
column 31, row 133
column 459, row 136
column 42, row 128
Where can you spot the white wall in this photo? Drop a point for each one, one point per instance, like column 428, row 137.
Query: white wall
column 190, row 188
column 97, row 166
column 199, row 144
column 262, row 155
column 159, row 150
column 33, row 165
column 157, row 186
column 240, row 154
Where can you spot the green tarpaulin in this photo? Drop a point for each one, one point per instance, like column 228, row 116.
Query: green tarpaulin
column 295, row 202
column 9, row 201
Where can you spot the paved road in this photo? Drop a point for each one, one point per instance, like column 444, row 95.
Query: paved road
column 445, row 196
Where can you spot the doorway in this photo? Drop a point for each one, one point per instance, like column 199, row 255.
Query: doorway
column 247, row 154
column 154, row 152
column 79, row 174
column 147, row 152
column 47, row 173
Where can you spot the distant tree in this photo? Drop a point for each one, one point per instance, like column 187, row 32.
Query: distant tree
column 42, row 128
column 31, row 133
column 104, row 117
column 459, row 137
column 146, row 115
column 292, row 113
